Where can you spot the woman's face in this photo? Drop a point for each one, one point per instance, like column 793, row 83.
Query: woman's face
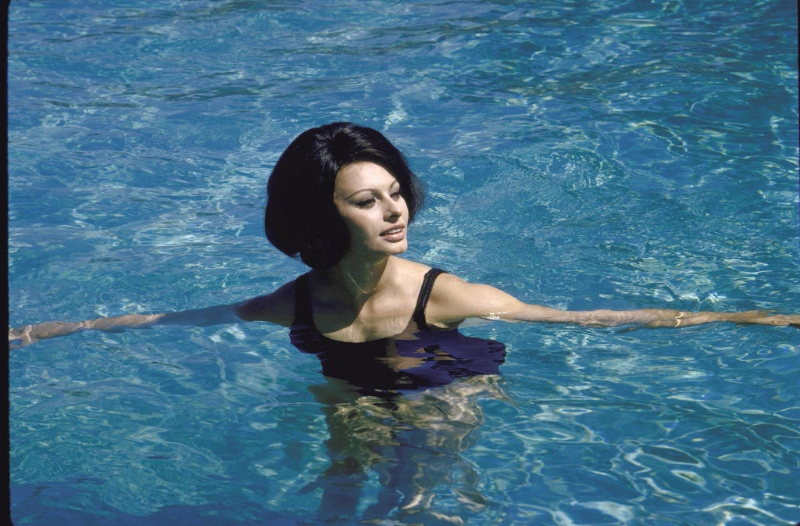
column 369, row 200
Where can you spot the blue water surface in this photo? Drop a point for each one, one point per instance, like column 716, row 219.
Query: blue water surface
column 578, row 154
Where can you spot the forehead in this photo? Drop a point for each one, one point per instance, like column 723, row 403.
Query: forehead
column 362, row 176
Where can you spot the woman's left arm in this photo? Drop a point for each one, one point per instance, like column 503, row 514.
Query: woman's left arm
column 651, row 318
column 454, row 300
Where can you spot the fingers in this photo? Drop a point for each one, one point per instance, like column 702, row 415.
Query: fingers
column 20, row 337
column 766, row 318
column 753, row 317
column 783, row 320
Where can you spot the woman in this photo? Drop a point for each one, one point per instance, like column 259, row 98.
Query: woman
column 342, row 196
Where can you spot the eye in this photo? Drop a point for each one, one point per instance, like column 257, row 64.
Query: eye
column 396, row 195
column 365, row 203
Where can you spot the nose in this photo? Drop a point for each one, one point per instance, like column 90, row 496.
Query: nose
column 394, row 209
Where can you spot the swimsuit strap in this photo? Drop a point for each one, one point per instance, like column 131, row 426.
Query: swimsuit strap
column 422, row 299
column 304, row 316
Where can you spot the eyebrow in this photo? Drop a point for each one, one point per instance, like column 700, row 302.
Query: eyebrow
column 391, row 186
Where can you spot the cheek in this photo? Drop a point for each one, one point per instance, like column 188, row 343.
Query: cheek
column 355, row 226
column 349, row 220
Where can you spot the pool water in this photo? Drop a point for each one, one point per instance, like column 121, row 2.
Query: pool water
column 579, row 154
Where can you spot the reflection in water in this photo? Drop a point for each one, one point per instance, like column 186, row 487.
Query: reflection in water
column 413, row 442
column 406, row 409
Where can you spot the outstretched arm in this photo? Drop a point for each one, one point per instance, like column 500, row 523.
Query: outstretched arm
column 454, row 300
column 271, row 308
column 651, row 318
column 28, row 334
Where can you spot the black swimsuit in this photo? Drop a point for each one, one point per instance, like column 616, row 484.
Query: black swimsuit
column 438, row 355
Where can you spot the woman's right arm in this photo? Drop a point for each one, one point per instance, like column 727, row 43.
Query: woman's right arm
column 277, row 307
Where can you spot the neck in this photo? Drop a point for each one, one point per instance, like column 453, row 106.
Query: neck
column 357, row 277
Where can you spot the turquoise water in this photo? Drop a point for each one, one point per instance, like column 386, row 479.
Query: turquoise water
column 576, row 154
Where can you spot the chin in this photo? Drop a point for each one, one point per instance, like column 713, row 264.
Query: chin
column 399, row 248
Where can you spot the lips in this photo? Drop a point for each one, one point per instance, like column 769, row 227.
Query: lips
column 396, row 233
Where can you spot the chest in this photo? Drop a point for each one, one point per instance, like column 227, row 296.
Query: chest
column 377, row 318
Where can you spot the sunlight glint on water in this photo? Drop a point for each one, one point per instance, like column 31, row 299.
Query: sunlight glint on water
column 589, row 155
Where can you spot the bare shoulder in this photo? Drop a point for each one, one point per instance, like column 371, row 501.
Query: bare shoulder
column 454, row 300
column 449, row 288
column 407, row 277
column 276, row 307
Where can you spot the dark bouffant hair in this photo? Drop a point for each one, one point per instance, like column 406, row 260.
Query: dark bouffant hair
column 301, row 216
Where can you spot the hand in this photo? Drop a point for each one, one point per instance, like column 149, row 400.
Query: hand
column 761, row 317
column 678, row 319
column 22, row 336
